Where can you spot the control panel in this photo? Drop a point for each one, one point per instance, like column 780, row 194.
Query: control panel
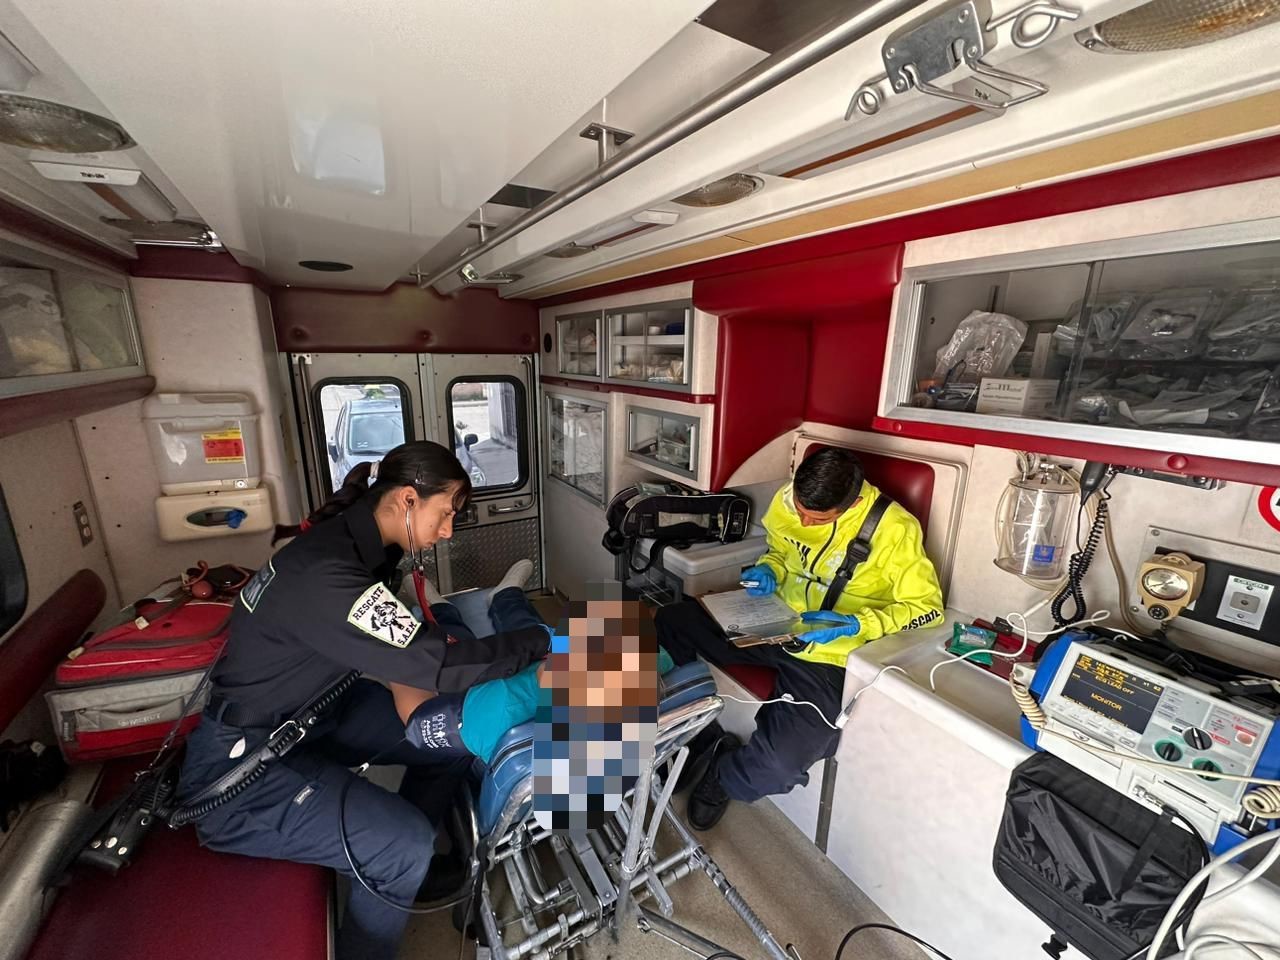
column 1094, row 693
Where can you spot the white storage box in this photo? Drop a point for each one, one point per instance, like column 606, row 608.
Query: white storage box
column 1017, row 397
column 706, row 567
column 203, row 442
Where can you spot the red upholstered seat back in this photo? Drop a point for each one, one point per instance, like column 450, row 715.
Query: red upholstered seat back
column 909, row 482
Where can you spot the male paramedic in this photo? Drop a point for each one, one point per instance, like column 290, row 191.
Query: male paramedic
column 811, row 526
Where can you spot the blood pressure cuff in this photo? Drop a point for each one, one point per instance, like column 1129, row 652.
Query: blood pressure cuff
column 1098, row 868
column 437, row 726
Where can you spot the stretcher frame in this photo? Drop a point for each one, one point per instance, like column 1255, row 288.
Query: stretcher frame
column 607, row 879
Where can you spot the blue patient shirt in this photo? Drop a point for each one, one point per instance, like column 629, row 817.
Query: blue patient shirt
column 495, row 706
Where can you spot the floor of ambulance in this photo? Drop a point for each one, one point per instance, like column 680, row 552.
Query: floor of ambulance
column 798, row 892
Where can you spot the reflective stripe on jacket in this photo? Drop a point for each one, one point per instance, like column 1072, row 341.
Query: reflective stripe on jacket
column 896, row 588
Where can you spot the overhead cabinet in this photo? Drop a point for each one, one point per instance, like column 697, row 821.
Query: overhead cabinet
column 647, row 345
column 1169, row 342
column 63, row 323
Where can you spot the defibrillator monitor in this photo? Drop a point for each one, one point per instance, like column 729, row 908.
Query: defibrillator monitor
column 1129, row 710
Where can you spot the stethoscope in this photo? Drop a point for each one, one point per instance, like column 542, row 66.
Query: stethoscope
column 418, row 568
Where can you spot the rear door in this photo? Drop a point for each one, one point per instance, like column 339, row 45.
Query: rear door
column 483, row 408
column 356, row 406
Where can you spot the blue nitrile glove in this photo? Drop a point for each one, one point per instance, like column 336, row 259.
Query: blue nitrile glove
column 849, row 626
column 763, row 575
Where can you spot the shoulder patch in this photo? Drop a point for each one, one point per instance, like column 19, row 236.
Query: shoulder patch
column 380, row 614
column 252, row 591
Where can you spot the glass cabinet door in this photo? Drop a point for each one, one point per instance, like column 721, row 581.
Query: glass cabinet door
column 578, row 345
column 576, row 436
column 61, row 325
column 650, row 344
column 668, row 440
column 1184, row 343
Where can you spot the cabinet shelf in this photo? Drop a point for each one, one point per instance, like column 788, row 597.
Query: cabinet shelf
column 1151, row 344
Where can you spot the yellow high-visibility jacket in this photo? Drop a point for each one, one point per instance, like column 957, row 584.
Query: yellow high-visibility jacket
column 896, row 588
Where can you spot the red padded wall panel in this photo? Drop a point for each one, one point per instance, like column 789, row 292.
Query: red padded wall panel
column 806, row 287
column 763, row 378
column 847, row 348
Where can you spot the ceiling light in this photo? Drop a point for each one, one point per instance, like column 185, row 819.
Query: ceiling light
column 113, row 193
column 570, row 250
column 326, row 266
column 662, row 217
column 1177, row 24
column 44, row 125
column 717, row 193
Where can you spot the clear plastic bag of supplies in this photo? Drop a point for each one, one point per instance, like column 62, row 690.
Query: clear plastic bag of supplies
column 1098, row 400
column 1249, row 327
column 983, row 345
column 1264, row 424
column 1221, row 404
column 1107, row 316
column 1169, row 326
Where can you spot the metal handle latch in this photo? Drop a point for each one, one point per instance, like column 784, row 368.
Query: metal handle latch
column 961, row 36
column 517, row 507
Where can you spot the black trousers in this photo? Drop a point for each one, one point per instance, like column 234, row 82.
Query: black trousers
column 789, row 738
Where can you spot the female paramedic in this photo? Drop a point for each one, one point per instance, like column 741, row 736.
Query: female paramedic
column 320, row 608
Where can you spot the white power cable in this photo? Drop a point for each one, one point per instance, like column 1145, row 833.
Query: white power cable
column 842, row 718
column 1096, row 618
column 1249, row 949
column 1175, row 908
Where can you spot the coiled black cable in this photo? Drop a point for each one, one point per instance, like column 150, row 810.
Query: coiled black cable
column 1077, row 567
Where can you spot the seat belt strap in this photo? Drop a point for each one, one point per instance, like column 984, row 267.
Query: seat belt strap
column 857, row 552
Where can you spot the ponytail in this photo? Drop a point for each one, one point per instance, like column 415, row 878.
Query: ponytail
column 426, row 466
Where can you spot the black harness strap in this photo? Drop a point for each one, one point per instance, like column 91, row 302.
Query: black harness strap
column 858, row 551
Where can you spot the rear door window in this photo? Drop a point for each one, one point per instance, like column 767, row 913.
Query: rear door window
column 487, row 422
column 359, row 420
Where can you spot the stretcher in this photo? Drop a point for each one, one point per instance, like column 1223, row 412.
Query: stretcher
column 565, row 888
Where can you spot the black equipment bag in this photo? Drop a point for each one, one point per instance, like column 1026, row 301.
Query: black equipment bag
column 1100, row 869
column 673, row 515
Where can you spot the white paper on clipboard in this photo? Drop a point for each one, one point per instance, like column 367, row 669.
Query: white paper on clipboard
column 739, row 614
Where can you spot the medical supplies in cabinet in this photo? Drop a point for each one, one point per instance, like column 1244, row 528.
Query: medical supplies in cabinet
column 1108, row 342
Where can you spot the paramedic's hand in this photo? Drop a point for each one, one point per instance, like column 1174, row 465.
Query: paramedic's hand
column 762, row 575
column 847, row 626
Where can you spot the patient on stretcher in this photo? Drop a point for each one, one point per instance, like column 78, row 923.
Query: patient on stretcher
column 598, row 672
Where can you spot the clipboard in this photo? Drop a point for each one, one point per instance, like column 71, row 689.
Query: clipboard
column 749, row 621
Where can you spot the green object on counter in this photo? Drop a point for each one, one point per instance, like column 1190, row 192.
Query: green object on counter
column 966, row 638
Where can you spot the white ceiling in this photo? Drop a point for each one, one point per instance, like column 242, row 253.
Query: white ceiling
column 369, row 132
column 363, row 131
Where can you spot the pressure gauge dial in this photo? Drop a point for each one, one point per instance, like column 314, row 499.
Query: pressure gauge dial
column 1168, row 583
column 1165, row 584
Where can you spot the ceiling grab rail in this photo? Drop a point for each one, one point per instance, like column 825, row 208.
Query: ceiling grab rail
column 763, row 77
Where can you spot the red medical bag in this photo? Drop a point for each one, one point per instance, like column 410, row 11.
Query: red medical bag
column 120, row 693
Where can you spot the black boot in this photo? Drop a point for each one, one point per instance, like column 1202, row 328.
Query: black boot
column 708, row 802
column 700, row 749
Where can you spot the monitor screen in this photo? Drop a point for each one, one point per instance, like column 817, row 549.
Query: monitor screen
column 1116, row 694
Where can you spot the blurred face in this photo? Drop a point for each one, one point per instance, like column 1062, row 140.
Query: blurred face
column 608, row 665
